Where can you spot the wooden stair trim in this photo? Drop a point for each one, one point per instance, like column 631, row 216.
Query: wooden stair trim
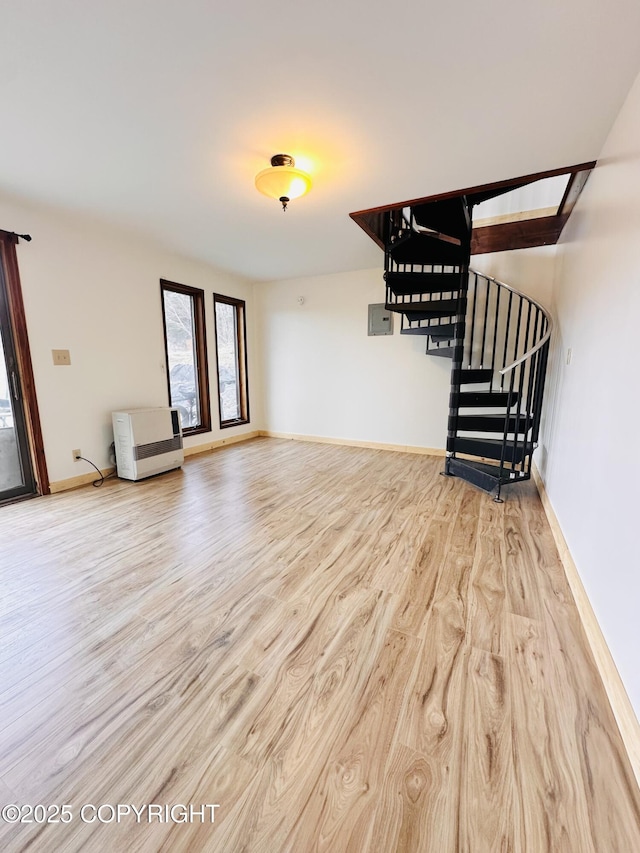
column 538, row 231
column 525, row 234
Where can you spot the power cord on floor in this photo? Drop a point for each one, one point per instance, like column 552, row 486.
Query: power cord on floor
column 97, row 483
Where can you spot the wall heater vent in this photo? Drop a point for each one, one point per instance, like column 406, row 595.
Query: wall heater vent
column 146, row 451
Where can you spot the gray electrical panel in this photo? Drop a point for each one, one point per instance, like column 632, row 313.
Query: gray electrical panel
column 380, row 320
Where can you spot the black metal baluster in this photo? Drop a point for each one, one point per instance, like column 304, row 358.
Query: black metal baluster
column 458, row 344
column 507, row 332
column 534, row 363
column 495, row 336
column 484, row 323
column 497, row 498
column 473, row 317
column 518, row 327
column 539, row 389
column 521, row 369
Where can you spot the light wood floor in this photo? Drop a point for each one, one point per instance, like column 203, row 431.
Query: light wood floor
column 344, row 650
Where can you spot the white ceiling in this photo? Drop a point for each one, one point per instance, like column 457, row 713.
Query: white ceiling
column 156, row 114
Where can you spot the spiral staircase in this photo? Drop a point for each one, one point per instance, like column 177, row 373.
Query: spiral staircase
column 496, row 337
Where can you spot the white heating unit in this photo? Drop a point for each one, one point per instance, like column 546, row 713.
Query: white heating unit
column 147, row 442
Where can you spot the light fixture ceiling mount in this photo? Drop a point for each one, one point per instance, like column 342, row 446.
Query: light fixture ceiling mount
column 282, row 180
column 283, row 160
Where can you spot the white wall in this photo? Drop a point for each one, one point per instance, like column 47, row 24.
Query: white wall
column 323, row 376
column 529, row 270
column 95, row 290
column 591, row 463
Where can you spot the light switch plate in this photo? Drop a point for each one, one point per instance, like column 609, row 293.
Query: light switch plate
column 61, row 356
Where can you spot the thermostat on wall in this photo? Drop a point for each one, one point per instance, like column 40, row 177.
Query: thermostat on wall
column 380, row 320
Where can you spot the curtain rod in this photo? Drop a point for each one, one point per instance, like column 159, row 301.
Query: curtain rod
column 25, row 237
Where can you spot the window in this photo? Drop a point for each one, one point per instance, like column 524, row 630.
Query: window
column 186, row 348
column 231, row 349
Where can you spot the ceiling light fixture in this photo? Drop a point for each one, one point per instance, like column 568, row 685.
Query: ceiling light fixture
column 282, row 180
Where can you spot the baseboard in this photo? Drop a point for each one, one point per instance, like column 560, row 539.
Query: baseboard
column 220, row 442
column 349, row 442
column 77, row 482
column 613, row 684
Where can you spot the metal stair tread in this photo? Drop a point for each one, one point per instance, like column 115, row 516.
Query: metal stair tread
column 450, row 306
column 492, row 448
column 466, row 399
column 443, row 331
column 485, row 467
column 494, row 423
column 481, row 474
column 427, row 249
column 469, row 376
column 442, row 352
column 415, row 330
column 403, row 283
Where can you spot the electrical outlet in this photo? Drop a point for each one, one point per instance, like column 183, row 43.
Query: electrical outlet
column 76, row 453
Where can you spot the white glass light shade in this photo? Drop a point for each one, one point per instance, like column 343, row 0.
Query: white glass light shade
column 283, row 182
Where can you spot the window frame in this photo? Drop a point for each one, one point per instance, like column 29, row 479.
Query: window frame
column 200, row 346
column 241, row 349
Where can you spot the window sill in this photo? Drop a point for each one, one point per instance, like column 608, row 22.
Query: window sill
column 195, row 430
column 235, row 422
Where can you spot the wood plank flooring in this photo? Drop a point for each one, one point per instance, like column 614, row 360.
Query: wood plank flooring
column 341, row 648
